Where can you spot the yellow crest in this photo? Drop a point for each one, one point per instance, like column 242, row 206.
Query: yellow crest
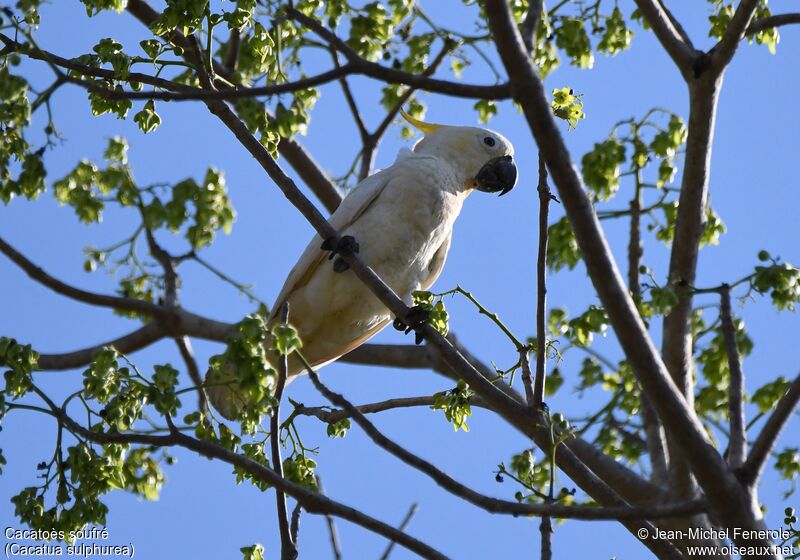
column 424, row 127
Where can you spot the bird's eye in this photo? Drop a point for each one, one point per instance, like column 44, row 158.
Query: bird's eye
column 489, row 141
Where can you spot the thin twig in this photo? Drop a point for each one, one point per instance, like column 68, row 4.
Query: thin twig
column 656, row 445
column 331, row 416
column 737, row 443
column 294, row 527
column 187, row 353
column 333, row 532
column 288, row 548
column 403, row 524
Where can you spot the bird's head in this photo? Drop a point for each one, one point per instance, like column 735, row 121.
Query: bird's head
column 485, row 158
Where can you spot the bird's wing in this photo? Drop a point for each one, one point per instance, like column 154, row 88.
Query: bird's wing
column 353, row 206
column 434, row 269
column 437, row 263
column 352, row 345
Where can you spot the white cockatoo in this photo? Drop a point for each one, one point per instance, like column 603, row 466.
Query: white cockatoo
column 400, row 220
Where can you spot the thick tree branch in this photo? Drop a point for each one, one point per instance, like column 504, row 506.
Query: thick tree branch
column 768, row 437
column 669, row 33
column 723, row 51
column 777, row 20
column 530, row 23
column 730, row 500
column 690, row 223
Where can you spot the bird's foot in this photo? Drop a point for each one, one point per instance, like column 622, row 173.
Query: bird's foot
column 417, row 316
column 346, row 245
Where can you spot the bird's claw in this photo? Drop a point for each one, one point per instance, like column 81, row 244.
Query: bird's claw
column 416, row 317
column 345, row 245
column 543, row 408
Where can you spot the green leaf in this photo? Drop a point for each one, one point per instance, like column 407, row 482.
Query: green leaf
column 617, row 36
column 285, row 339
column 94, row 7
column 781, row 281
column 601, row 168
column 486, row 110
column 562, row 247
column 572, row 37
column 455, row 404
column 338, row 429
column 253, row 552
column 300, row 470
column 767, row 396
column 147, row 119
column 720, row 21
column 567, row 106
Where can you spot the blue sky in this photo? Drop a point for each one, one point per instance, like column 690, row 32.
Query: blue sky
column 202, row 513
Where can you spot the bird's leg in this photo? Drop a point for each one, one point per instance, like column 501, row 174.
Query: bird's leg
column 417, row 316
column 345, row 245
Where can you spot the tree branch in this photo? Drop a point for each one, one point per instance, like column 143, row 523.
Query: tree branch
column 333, row 533
column 731, row 502
column 184, row 344
column 301, row 161
column 288, row 547
column 391, row 75
column 656, row 445
column 737, row 444
column 765, row 23
column 230, row 94
column 632, row 487
column 114, row 302
column 670, row 35
column 541, row 284
column 403, row 524
column 138, row 339
column 768, row 437
column 313, row 502
column 466, row 493
column 723, row 51
column 331, row 416
column 530, row 23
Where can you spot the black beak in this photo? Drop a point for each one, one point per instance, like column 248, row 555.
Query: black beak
column 499, row 175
